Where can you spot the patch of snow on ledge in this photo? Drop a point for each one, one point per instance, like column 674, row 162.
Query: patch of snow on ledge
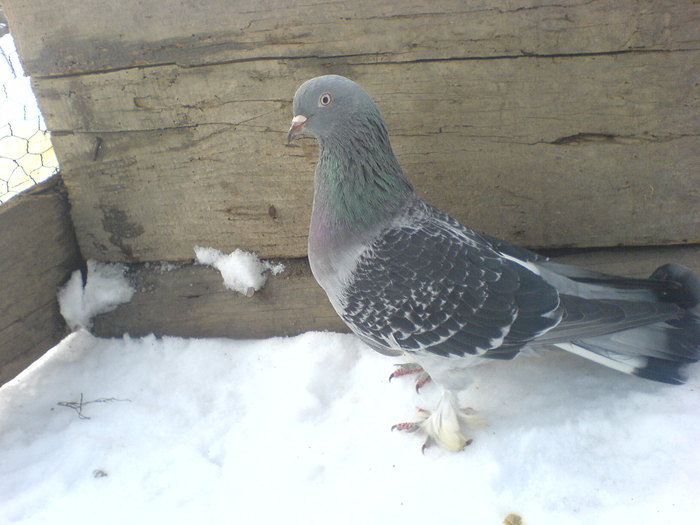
column 105, row 289
column 243, row 272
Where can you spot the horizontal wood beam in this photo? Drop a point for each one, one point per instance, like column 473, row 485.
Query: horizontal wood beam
column 157, row 162
column 102, row 35
column 191, row 300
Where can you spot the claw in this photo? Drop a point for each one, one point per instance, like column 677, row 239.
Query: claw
column 411, row 368
column 405, row 369
column 429, row 442
column 412, row 426
column 423, row 378
column 406, row 427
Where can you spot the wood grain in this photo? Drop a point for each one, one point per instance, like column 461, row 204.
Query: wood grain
column 523, row 150
column 39, row 252
column 549, row 123
column 102, row 35
column 191, row 301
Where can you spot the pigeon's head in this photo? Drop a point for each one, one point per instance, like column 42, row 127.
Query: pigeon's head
column 328, row 106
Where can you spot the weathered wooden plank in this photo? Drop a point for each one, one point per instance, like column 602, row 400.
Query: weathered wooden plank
column 191, row 300
column 634, row 262
column 577, row 151
column 104, row 35
column 39, row 251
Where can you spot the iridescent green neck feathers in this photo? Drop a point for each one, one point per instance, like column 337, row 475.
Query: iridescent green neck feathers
column 359, row 182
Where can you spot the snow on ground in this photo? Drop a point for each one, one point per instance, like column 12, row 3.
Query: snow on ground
column 297, row 430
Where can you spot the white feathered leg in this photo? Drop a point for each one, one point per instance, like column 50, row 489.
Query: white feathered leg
column 447, row 425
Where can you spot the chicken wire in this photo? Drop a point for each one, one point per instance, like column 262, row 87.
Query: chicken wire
column 26, row 154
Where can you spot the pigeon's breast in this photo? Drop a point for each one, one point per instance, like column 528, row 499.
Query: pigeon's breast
column 332, row 265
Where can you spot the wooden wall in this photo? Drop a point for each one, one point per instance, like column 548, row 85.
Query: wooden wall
column 38, row 252
column 550, row 123
column 192, row 301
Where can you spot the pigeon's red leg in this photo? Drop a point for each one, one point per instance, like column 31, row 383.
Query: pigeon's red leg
column 410, row 426
column 422, row 379
column 411, row 368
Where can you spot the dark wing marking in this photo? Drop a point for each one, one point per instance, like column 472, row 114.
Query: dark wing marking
column 433, row 285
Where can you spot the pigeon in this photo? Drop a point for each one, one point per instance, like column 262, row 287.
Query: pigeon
column 410, row 280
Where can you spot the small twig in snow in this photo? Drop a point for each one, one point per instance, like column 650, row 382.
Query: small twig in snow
column 78, row 405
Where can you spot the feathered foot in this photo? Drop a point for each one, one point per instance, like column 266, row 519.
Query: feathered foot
column 446, row 425
column 412, row 368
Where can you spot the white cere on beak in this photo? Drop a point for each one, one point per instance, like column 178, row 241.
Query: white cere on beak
column 297, row 127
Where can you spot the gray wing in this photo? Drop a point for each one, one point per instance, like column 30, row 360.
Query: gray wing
column 433, row 285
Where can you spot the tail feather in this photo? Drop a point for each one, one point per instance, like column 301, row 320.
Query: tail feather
column 660, row 351
column 587, row 284
column 661, row 370
column 582, row 275
column 687, row 295
column 588, row 318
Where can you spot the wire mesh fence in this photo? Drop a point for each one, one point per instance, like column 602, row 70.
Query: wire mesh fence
column 26, row 154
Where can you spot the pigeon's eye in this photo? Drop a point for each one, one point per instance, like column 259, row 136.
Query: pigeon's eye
column 325, row 99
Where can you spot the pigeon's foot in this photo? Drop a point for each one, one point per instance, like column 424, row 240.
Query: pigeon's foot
column 411, row 368
column 446, row 425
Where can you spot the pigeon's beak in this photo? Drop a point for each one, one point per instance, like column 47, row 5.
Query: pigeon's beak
column 297, row 127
